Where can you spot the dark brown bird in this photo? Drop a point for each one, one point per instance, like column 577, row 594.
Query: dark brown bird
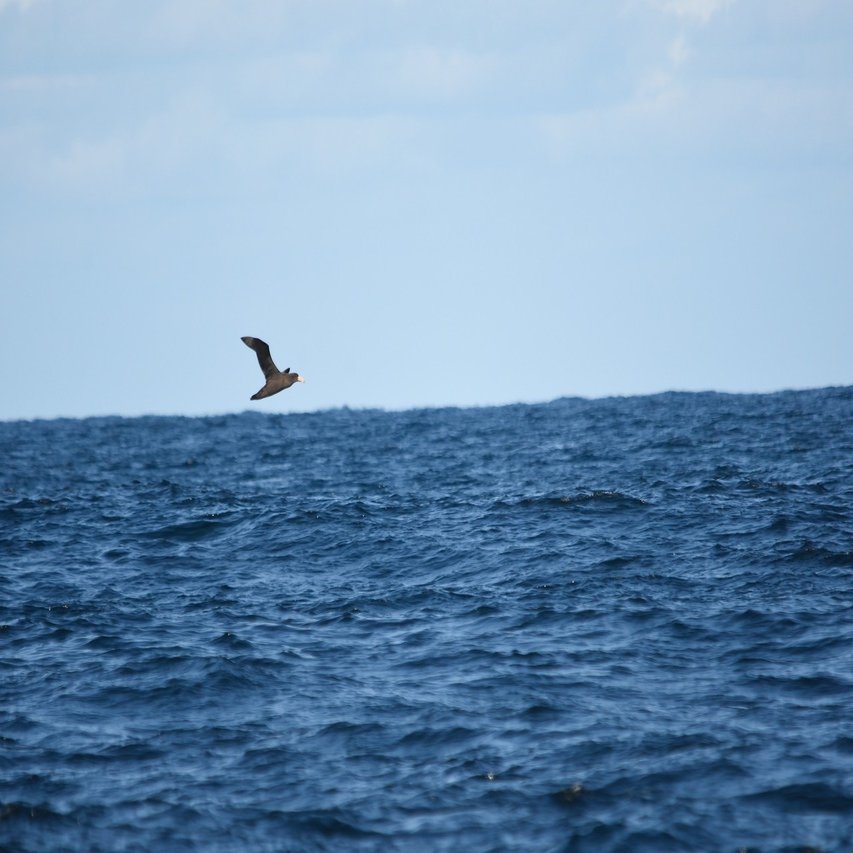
column 277, row 380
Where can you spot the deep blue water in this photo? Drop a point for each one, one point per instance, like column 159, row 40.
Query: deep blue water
column 620, row 624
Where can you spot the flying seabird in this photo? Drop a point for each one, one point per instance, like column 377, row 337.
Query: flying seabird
column 277, row 380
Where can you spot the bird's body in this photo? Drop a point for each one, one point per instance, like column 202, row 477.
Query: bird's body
column 277, row 380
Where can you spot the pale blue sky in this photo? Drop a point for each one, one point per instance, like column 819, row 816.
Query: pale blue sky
column 421, row 203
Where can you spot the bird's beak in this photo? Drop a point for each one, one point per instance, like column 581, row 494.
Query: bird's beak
column 301, row 379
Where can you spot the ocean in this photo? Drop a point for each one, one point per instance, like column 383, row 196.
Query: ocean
column 611, row 624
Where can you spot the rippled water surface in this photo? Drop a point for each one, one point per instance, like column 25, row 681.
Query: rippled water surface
column 621, row 624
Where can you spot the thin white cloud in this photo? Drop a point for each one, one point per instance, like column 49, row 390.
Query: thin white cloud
column 23, row 5
column 700, row 11
column 36, row 85
column 679, row 51
column 442, row 73
column 87, row 165
column 662, row 88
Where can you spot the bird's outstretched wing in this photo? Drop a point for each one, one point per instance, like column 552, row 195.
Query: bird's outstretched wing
column 262, row 350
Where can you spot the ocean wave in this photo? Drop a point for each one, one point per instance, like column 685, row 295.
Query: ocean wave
column 588, row 625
